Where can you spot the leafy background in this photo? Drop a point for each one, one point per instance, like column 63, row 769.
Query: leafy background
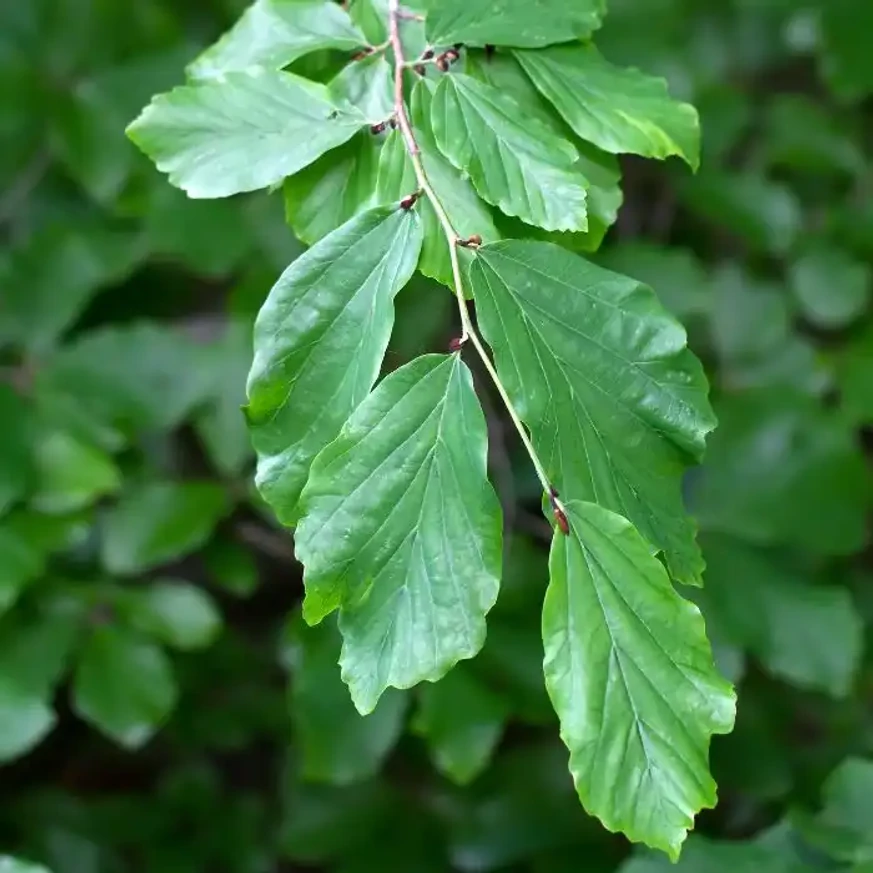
column 162, row 707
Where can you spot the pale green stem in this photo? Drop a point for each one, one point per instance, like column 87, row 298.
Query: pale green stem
column 468, row 332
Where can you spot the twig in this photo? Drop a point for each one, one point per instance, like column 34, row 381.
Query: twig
column 468, row 332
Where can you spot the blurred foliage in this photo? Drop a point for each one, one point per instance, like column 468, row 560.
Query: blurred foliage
column 162, row 709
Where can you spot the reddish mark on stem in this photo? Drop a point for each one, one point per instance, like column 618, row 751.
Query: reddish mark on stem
column 409, row 201
column 563, row 522
column 456, row 344
column 471, row 242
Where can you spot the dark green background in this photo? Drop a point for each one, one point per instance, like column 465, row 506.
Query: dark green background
column 148, row 603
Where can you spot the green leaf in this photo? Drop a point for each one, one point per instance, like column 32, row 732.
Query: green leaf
column 20, row 564
column 71, row 474
column 339, row 745
column 155, row 381
column 679, row 279
column 273, row 33
column 615, row 403
column 334, row 189
column 462, row 720
column 847, row 63
column 24, row 722
column 16, row 461
column 631, row 676
column 368, row 85
column 832, row 288
column 781, row 470
column 9, row 864
column 402, row 530
column 124, row 686
column 519, row 23
column 622, row 111
column 516, row 164
column 232, row 567
column 397, row 179
column 843, row 828
column 160, row 521
column 319, row 343
column 763, row 214
column 808, row 634
column 701, row 855
column 49, row 281
column 34, row 655
column 246, row 131
column 178, row 614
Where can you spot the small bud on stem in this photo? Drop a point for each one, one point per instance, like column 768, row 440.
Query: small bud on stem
column 472, row 242
column 409, row 201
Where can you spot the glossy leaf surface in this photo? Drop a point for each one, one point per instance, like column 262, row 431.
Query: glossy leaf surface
column 619, row 110
column 616, row 405
column 523, row 23
column 515, row 163
column 319, row 343
column 631, row 675
column 402, row 531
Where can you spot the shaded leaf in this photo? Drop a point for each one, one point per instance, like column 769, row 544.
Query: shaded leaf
column 398, row 511
column 160, row 521
column 843, row 827
column 334, row 189
column 273, row 33
column 178, row 614
column 338, row 744
column 71, row 474
column 631, row 675
column 20, row 564
column 24, row 722
column 782, row 470
column 832, row 288
column 368, row 85
column 124, row 686
column 523, row 23
column 808, row 634
column 516, row 164
column 615, row 403
column 462, row 720
column 319, row 343
column 246, row 131
column 16, row 461
column 619, row 110
column 848, row 65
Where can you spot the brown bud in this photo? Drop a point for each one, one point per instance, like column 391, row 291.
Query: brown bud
column 428, row 54
column 563, row 522
column 451, row 55
column 472, row 242
column 409, row 201
column 553, row 493
column 456, row 344
column 442, row 64
column 376, row 129
column 419, row 68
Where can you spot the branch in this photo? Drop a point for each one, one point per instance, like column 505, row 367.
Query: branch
column 468, row 332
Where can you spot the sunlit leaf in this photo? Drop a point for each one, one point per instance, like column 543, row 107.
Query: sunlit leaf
column 273, row 33
column 631, row 675
column 401, row 530
column 319, row 343
column 615, row 403
column 246, row 131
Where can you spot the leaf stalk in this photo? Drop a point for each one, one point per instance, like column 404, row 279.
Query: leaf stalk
column 468, row 332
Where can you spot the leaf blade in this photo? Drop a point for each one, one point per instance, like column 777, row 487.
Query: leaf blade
column 639, row 764
column 526, row 170
column 247, row 131
column 345, row 285
column 619, row 110
column 394, row 577
column 615, row 403
column 273, row 33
